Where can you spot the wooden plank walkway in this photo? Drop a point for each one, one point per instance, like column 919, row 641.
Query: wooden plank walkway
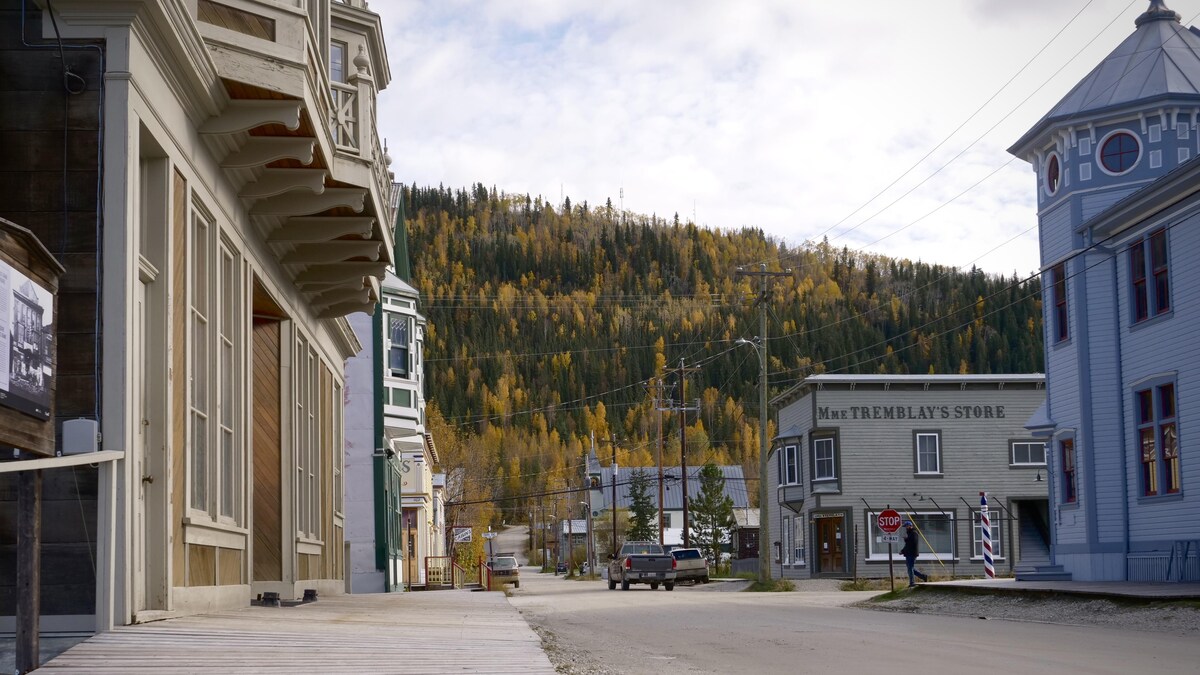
column 430, row 632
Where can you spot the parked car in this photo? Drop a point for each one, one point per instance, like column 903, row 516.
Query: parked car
column 690, row 565
column 642, row 562
column 560, row 568
column 505, row 571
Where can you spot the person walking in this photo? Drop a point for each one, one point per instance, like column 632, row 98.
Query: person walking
column 910, row 554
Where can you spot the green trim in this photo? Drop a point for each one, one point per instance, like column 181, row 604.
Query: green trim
column 400, row 236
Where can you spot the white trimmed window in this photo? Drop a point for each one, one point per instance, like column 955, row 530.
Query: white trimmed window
column 927, row 447
column 791, row 465
column 339, row 451
column 1027, row 453
column 935, row 536
column 307, row 445
column 798, row 541
column 399, row 344
column 824, row 459
column 997, row 527
column 216, row 466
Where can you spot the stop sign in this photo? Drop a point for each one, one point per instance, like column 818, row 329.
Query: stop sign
column 889, row 520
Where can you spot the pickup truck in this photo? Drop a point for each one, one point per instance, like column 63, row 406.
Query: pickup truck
column 690, row 564
column 642, row 562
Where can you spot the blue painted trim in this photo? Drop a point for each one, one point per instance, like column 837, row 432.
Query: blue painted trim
column 1151, row 500
column 1121, row 413
column 1086, row 449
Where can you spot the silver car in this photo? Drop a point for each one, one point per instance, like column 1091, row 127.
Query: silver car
column 690, row 564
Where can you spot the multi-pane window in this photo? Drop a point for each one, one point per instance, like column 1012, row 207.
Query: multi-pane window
column 217, row 463
column 339, row 451
column 798, row 541
column 1027, row 453
column 1058, row 290
column 228, row 401
column 824, row 459
column 337, row 61
column 928, row 449
column 399, row 330
column 199, row 376
column 1158, row 439
column 1066, row 448
column 995, row 525
column 935, row 535
column 1149, row 276
column 1120, row 152
column 791, row 465
column 308, row 440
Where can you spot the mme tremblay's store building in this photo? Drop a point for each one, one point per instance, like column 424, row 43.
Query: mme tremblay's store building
column 850, row 446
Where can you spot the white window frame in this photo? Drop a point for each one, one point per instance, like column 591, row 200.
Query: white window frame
column 307, row 445
column 791, row 465
column 798, row 552
column 920, row 453
column 824, row 468
column 878, row 550
column 977, row 534
column 1012, row 453
column 407, row 346
column 216, row 465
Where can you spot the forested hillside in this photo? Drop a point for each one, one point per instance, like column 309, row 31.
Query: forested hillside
column 548, row 322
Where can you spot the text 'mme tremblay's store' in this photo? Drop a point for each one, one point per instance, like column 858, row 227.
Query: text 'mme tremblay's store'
column 850, row 446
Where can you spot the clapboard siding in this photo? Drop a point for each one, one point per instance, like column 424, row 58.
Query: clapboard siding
column 1105, row 428
column 1055, row 231
column 877, row 453
column 1097, row 202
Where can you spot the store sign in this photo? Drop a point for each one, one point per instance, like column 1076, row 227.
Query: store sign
column 911, row 412
column 26, row 343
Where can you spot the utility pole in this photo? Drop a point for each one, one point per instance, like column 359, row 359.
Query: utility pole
column 614, row 493
column 658, row 414
column 683, row 411
column 764, row 519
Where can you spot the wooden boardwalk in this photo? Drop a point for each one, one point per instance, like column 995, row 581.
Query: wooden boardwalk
column 431, row 632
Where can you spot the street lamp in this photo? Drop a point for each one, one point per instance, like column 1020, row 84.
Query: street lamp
column 764, row 562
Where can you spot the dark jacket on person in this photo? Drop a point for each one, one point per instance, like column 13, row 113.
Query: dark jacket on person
column 910, row 544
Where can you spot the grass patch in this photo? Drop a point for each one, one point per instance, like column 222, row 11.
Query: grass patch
column 873, row 584
column 748, row 576
column 772, row 586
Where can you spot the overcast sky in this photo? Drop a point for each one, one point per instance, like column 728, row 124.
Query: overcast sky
column 881, row 124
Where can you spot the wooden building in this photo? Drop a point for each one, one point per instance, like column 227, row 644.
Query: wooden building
column 209, row 174
column 850, row 446
column 1117, row 162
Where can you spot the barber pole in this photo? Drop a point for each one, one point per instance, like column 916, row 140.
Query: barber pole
column 986, row 525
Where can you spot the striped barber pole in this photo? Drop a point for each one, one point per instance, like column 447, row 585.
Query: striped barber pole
column 986, row 525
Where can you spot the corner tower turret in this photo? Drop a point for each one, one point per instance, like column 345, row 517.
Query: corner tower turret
column 1131, row 120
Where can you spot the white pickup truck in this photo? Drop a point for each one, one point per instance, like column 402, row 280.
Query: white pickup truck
column 690, row 564
column 642, row 562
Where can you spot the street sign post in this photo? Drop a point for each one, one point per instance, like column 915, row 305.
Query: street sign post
column 889, row 521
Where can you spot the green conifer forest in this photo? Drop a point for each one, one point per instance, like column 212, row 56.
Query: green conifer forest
column 549, row 323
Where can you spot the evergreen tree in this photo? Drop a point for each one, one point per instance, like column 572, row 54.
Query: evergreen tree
column 711, row 513
column 641, row 510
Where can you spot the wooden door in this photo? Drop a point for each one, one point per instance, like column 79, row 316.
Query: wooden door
column 830, row 541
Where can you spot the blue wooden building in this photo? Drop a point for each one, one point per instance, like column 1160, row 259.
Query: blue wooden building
column 1118, row 195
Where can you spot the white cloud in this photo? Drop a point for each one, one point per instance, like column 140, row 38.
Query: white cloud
column 784, row 115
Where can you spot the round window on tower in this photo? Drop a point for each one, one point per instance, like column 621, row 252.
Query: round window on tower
column 1119, row 152
column 1053, row 174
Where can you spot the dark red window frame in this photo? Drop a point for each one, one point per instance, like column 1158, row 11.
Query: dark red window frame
column 1120, row 152
column 1058, row 278
column 1067, row 452
column 1158, row 439
column 1149, row 276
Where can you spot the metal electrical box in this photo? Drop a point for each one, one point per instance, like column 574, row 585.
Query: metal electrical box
column 79, row 436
